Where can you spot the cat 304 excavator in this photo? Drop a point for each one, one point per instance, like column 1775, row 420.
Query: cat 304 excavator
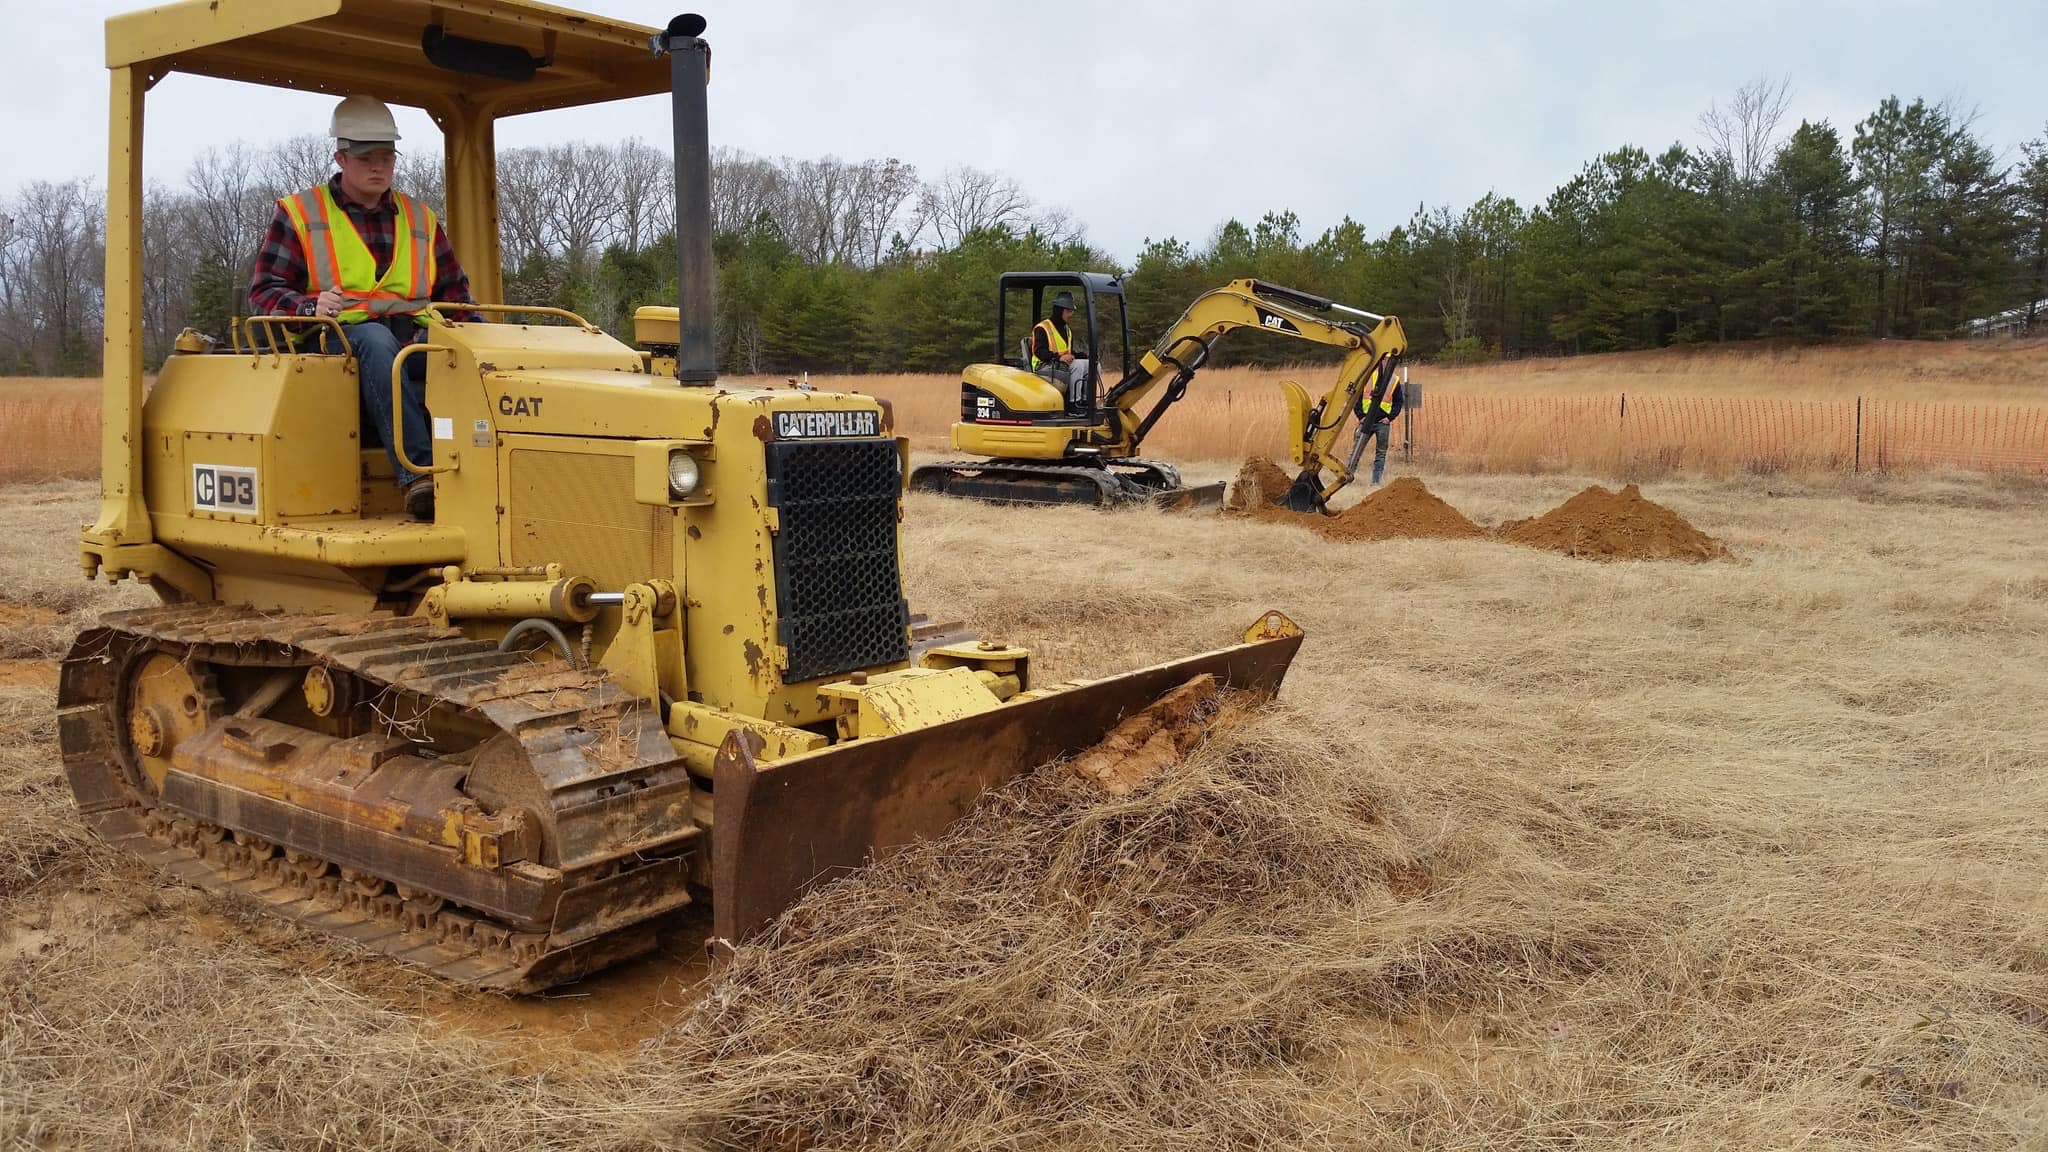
column 1041, row 446
column 653, row 643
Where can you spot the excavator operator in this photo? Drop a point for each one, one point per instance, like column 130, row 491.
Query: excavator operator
column 359, row 251
column 1052, row 354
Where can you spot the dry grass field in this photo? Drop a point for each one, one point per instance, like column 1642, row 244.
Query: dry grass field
column 1532, row 852
column 51, row 426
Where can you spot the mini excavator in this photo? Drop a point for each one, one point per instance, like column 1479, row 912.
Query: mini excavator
column 1039, row 446
column 653, row 646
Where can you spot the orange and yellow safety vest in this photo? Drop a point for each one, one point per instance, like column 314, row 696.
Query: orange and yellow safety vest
column 337, row 257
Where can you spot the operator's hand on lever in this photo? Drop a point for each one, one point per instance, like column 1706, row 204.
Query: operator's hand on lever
column 329, row 304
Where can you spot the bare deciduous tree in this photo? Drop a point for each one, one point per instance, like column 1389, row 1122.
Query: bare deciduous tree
column 744, row 187
column 297, row 163
column 879, row 191
column 966, row 200
column 60, row 261
column 1745, row 133
column 231, row 202
column 646, row 193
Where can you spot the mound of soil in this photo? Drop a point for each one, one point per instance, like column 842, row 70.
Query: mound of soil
column 1600, row 525
column 1258, row 484
column 1404, row 509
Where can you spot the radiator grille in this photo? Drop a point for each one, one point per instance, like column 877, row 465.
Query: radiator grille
column 836, row 579
column 577, row 509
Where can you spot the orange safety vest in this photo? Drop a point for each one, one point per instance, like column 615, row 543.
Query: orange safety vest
column 1054, row 342
column 337, row 257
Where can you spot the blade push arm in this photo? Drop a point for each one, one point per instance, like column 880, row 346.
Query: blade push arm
column 1371, row 344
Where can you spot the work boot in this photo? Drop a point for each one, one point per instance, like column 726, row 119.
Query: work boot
column 419, row 498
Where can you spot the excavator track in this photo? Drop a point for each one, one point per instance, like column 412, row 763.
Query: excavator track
column 506, row 824
column 1124, row 481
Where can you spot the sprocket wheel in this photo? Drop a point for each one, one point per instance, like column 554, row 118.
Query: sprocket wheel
column 166, row 700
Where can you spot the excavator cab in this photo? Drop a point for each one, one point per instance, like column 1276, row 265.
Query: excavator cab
column 1101, row 328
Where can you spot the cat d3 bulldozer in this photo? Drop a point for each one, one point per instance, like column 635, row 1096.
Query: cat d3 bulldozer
column 653, row 644
column 1038, row 443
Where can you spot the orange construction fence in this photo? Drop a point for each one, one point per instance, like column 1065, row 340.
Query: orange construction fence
column 1724, row 434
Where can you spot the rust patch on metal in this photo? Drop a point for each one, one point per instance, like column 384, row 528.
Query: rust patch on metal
column 764, row 428
column 694, row 532
column 888, row 416
column 754, row 654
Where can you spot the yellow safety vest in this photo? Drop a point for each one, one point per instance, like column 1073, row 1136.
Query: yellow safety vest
column 337, row 257
column 1387, row 398
column 1054, row 342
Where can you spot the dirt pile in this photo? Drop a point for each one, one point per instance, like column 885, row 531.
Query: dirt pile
column 1257, row 485
column 1598, row 524
column 1404, row 509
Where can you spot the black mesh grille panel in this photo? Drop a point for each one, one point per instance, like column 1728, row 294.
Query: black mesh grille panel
column 839, row 591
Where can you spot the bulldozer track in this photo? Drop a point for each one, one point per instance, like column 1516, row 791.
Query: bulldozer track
column 598, row 756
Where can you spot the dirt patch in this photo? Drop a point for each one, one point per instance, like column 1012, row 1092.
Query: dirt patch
column 31, row 631
column 14, row 617
column 28, row 674
column 1149, row 743
column 1404, row 509
column 1598, row 524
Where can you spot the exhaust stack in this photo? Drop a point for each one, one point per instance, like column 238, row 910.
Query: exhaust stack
column 689, row 75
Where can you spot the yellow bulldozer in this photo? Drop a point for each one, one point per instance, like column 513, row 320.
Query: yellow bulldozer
column 1039, row 443
column 653, row 643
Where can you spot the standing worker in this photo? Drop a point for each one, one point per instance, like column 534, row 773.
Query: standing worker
column 372, row 258
column 1377, row 420
column 1052, row 354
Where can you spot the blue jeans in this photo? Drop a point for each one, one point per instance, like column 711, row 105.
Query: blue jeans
column 1384, row 433
column 374, row 346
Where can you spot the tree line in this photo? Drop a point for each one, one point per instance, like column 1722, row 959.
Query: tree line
column 1907, row 226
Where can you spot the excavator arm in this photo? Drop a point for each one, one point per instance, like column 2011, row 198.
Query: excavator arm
column 1372, row 344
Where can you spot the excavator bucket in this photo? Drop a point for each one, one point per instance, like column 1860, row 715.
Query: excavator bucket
column 779, row 828
column 1305, row 494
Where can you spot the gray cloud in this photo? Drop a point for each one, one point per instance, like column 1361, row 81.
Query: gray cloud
column 1150, row 118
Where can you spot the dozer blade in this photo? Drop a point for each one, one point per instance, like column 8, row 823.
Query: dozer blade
column 1187, row 499
column 781, row 827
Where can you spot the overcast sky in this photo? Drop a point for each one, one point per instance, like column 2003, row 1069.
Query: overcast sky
column 1170, row 116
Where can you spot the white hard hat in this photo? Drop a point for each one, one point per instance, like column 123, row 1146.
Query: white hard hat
column 363, row 124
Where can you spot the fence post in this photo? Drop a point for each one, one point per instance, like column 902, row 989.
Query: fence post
column 1859, row 434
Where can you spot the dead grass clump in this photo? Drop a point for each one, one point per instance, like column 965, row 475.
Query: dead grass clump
column 1177, row 969
column 1598, row 524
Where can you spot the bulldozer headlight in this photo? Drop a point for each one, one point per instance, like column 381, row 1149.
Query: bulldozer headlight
column 683, row 474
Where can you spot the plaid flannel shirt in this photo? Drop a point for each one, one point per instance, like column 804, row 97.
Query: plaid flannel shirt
column 278, row 285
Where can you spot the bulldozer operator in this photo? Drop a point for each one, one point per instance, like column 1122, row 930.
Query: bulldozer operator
column 1052, row 354
column 372, row 258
